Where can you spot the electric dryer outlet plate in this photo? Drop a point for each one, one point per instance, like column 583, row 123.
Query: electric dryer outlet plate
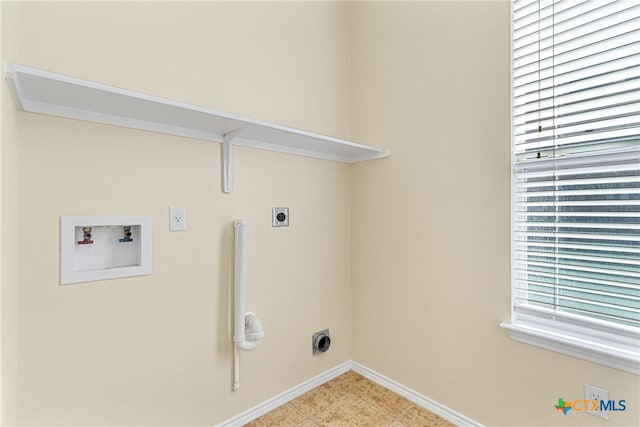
column 280, row 217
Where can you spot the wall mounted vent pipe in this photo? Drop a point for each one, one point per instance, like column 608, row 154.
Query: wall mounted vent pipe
column 247, row 329
column 321, row 341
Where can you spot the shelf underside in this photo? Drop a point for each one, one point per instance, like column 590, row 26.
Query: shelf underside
column 44, row 92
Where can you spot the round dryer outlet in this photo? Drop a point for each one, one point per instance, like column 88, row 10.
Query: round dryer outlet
column 321, row 341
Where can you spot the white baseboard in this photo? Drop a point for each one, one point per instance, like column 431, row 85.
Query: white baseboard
column 420, row 400
column 288, row 395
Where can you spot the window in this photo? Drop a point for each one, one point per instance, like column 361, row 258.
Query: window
column 576, row 178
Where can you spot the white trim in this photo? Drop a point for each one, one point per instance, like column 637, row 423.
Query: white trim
column 417, row 398
column 288, row 395
column 582, row 347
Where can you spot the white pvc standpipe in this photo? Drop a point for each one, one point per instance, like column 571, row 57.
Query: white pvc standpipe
column 236, row 368
column 247, row 329
column 240, row 280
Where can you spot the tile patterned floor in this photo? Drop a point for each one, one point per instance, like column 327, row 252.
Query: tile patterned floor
column 350, row 400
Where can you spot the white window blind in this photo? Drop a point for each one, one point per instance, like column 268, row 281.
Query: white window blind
column 576, row 163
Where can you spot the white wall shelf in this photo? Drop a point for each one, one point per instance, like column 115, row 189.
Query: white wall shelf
column 44, row 92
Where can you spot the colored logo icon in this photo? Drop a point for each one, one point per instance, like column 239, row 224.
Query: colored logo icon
column 563, row 406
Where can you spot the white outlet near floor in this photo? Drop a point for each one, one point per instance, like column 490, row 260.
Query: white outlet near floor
column 177, row 218
column 592, row 393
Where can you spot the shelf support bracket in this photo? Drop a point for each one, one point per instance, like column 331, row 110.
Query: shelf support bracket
column 227, row 163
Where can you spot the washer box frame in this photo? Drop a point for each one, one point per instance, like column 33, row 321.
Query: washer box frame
column 69, row 249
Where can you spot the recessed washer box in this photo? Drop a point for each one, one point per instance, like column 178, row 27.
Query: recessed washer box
column 104, row 247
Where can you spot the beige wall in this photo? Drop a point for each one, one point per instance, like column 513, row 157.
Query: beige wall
column 431, row 223
column 8, row 223
column 156, row 350
column 420, row 239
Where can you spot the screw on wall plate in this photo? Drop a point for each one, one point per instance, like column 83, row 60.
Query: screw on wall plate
column 280, row 217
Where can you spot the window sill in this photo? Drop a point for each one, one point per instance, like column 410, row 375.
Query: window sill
column 576, row 344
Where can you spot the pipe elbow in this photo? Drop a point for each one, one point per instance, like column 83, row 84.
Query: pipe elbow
column 248, row 345
column 253, row 333
column 253, row 328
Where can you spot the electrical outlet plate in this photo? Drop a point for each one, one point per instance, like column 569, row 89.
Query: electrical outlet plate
column 177, row 218
column 280, row 217
column 592, row 393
